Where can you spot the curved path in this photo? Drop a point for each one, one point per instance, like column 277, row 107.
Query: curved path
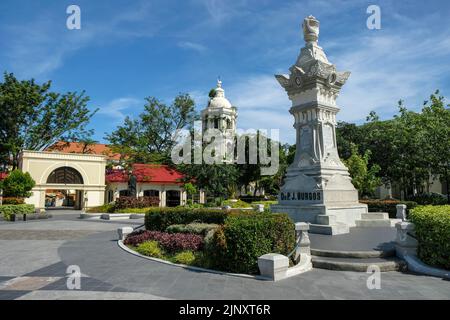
column 110, row 272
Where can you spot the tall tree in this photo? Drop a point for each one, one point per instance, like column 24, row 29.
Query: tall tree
column 151, row 136
column 436, row 123
column 33, row 117
column 364, row 178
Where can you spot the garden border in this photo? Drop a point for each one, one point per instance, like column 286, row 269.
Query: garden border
column 192, row 268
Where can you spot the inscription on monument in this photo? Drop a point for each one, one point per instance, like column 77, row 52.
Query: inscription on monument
column 301, row 196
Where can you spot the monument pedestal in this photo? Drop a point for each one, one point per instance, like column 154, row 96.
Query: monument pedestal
column 317, row 187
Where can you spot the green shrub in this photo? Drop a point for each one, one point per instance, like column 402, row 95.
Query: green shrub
column 184, row 257
column 432, row 228
column 429, row 198
column 132, row 210
column 150, row 248
column 195, row 227
column 106, row 208
column 389, row 206
column 236, row 246
column 236, row 204
column 17, row 184
column 161, row 218
column 13, row 200
column 10, row 209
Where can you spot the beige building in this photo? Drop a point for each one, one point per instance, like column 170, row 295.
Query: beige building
column 80, row 177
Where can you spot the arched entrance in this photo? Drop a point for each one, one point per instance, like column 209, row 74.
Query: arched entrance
column 77, row 180
column 70, row 197
column 173, row 198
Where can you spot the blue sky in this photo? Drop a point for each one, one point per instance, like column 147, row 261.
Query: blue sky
column 128, row 50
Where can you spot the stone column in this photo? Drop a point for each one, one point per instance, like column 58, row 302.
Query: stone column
column 162, row 202
column 401, row 212
column 302, row 241
column 202, row 196
column 405, row 243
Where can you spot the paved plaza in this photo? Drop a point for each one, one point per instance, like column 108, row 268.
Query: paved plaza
column 35, row 256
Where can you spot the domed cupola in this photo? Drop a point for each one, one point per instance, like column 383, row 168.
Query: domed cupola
column 219, row 100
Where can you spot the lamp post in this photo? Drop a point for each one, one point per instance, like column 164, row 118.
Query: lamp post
column 1, row 197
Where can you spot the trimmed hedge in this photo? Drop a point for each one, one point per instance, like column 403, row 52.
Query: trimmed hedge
column 195, row 227
column 13, row 200
column 10, row 209
column 432, row 228
column 389, row 206
column 160, row 218
column 106, row 208
column 236, row 246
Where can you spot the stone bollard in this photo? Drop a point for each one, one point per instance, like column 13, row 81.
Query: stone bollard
column 259, row 208
column 302, row 241
column 405, row 244
column 401, row 211
column 273, row 266
column 123, row 232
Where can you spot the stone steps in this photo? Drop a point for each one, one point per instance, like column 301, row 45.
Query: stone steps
column 358, row 264
column 372, row 223
column 373, row 220
column 333, row 229
column 354, row 254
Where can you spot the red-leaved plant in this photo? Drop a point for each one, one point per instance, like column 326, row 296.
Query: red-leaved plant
column 169, row 241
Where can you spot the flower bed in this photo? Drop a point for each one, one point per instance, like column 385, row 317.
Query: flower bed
column 432, row 229
column 223, row 240
column 169, row 241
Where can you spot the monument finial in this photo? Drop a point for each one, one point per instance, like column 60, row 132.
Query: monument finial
column 219, row 82
column 310, row 29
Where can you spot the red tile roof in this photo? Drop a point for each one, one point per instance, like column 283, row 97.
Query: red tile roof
column 77, row 147
column 154, row 173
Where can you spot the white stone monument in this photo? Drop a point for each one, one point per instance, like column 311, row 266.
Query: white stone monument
column 317, row 187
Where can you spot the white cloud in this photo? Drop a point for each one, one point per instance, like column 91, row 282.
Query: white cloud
column 115, row 108
column 192, row 46
column 42, row 45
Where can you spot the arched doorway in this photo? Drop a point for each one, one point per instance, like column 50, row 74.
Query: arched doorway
column 68, row 197
column 173, row 198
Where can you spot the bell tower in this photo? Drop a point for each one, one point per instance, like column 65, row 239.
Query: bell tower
column 219, row 114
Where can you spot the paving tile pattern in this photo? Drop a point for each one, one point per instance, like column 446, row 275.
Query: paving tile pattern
column 38, row 270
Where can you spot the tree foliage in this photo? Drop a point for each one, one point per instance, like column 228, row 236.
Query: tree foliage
column 364, row 178
column 17, row 184
column 408, row 148
column 33, row 117
column 150, row 137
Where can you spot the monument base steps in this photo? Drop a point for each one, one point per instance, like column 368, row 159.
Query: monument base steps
column 358, row 264
column 374, row 219
column 332, row 229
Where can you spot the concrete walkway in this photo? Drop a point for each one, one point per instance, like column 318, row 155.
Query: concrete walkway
column 35, row 257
